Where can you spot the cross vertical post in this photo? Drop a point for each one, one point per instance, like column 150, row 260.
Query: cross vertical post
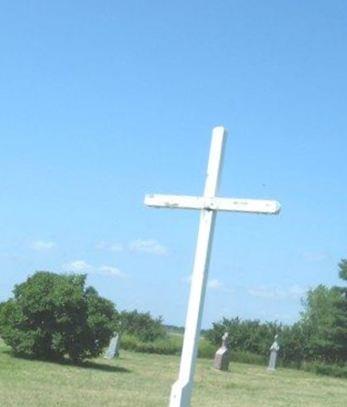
column 209, row 204
column 182, row 389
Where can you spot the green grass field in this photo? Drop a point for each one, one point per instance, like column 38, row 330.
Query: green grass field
column 144, row 380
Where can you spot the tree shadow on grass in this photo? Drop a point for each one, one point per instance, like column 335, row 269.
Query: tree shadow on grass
column 88, row 364
column 101, row 366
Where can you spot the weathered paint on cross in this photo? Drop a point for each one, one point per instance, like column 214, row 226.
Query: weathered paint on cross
column 218, row 204
column 208, row 204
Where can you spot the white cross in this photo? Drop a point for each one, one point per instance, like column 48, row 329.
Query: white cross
column 208, row 204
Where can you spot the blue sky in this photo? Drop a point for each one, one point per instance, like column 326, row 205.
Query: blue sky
column 102, row 102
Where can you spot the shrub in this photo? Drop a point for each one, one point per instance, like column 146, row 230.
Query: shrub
column 142, row 325
column 247, row 357
column 54, row 315
column 169, row 346
column 206, row 349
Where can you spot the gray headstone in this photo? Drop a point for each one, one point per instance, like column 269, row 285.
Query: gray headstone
column 113, row 347
column 222, row 356
column 273, row 355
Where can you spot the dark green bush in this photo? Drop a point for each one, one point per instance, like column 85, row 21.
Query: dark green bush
column 54, row 315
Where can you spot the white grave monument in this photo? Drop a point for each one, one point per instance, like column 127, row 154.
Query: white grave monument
column 273, row 355
column 208, row 204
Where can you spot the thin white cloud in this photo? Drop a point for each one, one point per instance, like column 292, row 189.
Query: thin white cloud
column 81, row 266
column 296, row 291
column 150, row 246
column 315, row 256
column 272, row 315
column 214, row 284
column 111, row 247
column 293, row 292
column 109, row 271
column 42, row 245
column 116, row 247
column 186, row 279
column 77, row 266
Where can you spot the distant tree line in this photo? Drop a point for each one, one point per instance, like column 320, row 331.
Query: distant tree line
column 52, row 316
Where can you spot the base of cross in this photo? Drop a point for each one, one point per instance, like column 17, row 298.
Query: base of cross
column 181, row 394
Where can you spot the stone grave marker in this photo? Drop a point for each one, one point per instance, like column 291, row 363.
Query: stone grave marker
column 222, row 356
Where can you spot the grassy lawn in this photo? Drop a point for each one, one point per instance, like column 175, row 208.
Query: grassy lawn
column 144, row 380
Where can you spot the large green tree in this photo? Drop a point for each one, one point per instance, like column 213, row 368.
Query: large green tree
column 324, row 321
column 341, row 316
column 53, row 315
column 343, row 269
column 319, row 323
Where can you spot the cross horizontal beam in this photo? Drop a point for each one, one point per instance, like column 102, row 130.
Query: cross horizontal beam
column 259, row 206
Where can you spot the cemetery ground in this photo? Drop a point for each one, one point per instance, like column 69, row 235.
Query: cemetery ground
column 144, row 380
